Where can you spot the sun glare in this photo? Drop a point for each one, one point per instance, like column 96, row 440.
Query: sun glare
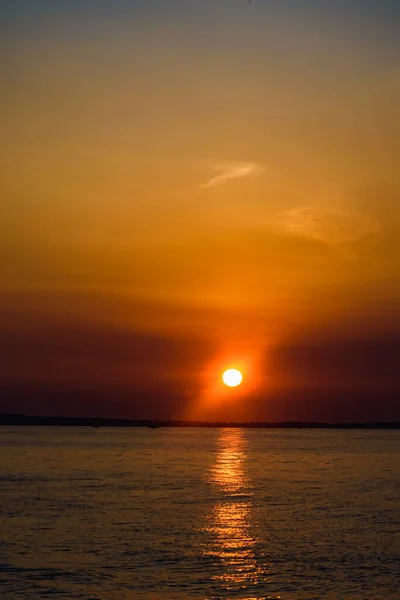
column 232, row 377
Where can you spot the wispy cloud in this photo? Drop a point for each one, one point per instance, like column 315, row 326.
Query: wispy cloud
column 329, row 225
column 228, row 170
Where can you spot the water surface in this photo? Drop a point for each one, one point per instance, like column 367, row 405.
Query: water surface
column 180, row 514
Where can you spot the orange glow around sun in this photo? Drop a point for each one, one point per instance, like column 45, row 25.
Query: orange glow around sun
column 227, row 381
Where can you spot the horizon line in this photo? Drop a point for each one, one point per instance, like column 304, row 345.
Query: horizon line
column 15, row 419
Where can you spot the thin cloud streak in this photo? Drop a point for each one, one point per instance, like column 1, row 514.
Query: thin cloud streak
column 329, row 225
column 232, row 170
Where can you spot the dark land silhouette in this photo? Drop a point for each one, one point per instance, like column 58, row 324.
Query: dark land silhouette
column 34, row 420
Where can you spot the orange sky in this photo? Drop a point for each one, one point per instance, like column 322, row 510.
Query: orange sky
column 185, row 187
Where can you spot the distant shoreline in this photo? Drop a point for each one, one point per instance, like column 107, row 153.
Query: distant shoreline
column 42, row 421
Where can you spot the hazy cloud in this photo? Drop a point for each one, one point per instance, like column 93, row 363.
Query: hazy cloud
column 232, row 170
column 331, row 225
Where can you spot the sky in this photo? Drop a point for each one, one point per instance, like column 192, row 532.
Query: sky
column 191, row 186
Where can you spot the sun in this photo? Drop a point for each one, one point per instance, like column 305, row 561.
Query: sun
column 232, row 377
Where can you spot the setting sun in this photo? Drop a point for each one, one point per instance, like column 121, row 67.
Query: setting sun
column 232, row 377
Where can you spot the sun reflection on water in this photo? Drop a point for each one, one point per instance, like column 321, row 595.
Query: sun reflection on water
column 230, row 523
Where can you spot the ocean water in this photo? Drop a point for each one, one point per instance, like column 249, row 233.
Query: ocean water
column 180, row 514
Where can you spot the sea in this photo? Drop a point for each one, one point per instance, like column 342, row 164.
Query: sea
column 195, row 513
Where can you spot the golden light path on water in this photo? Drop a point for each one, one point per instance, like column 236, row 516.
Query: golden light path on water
column 231, row 523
